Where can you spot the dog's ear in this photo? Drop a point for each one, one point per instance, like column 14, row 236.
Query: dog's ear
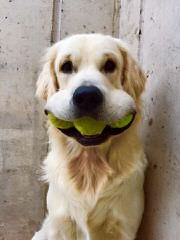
column 133, row 78
column 47, row 82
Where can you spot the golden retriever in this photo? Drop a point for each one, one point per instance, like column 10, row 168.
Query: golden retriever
column 95, row 183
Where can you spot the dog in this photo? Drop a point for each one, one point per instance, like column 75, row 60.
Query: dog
column 95, row 182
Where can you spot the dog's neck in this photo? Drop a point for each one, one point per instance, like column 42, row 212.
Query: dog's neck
column 89, row 171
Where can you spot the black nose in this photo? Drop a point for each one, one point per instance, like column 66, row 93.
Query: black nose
column 87, row 98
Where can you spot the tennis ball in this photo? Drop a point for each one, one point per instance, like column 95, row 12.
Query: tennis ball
column 58, row 122
column 122, row 122
column 89, row 126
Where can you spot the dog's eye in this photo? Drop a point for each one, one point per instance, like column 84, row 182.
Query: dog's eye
column 109, row 66
column 67, row 67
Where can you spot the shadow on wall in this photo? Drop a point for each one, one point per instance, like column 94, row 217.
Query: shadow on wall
column 158, row 138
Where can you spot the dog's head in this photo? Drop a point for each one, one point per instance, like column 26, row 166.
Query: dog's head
column 90, row 75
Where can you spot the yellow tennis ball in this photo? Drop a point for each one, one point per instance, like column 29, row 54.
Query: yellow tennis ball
column 122, row 122
column 58, row 122
column 89, row 126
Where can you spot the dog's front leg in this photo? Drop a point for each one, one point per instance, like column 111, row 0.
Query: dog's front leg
column 57, row 228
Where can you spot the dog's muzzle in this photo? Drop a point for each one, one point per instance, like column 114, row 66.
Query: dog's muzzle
column 91, row 101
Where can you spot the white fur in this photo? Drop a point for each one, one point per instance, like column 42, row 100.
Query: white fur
column 115, row 209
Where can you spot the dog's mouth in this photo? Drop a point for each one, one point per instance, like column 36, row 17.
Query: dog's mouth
column 95, row 139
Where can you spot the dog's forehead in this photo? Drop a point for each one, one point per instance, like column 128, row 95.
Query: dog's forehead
column 86, row 44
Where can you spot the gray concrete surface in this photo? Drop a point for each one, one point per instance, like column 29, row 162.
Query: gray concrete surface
column 160, row 56
column 25, row 30
column 90, row 16
column 152, row 30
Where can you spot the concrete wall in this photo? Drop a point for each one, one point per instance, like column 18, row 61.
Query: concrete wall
column 25, row 30
column 152, row 29
column 160, row 56
column 26, row 27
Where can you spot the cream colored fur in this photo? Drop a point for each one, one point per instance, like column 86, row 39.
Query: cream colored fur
column 95, row 193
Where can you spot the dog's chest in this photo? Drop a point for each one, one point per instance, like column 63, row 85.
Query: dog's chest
column 85, row 206
column 90, row 186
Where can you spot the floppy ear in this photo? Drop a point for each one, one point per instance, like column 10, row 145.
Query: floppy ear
column 133, row 77
column 47, row 82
